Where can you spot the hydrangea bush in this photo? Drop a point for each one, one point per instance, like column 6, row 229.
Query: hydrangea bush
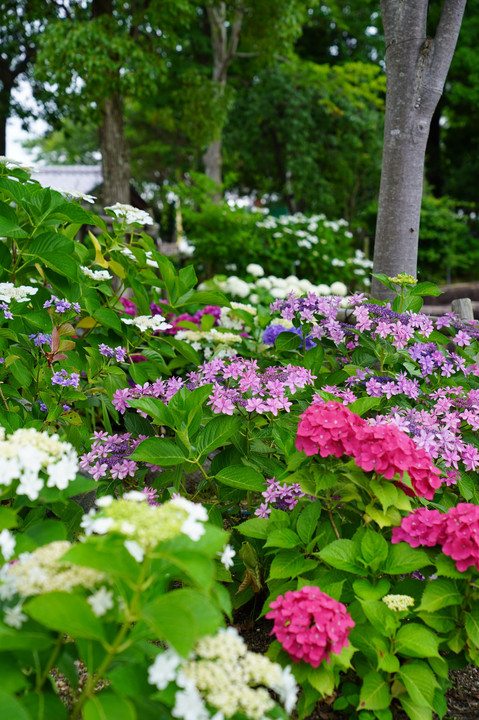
column 334, row 437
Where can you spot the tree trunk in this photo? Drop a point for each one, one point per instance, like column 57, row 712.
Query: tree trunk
column 224, row 50
column 114, row 152
column 416, row 68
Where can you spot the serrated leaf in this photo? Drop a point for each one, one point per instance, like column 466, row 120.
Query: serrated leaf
column 282, row 538
column 439, row 594
column 342, row 554
column 374, row 694
column 241, row 476
column 159, row 451
column 255, row 528
column 290, row 564
column 414, row 640
column 420, row 682
column 403, row 559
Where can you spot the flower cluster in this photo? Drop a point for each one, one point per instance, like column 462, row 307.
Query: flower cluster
column 148, row 254
column 95, row 274
column 40, row 339
column 31, row 457
column 211, row 342
column 130, row 214
column 155, row 323
column 310, row 625
column 332, row 429
column 398, row 603
column 108, row 456
column 320, row 312
column 61, row 306
column 455, row 531
column 22, row 293
column 283, row 497
column 161, row 389
column 239, row 383
column 223, row 673
column 119, row 353
column 43, row 571
column 145, row 525
column 61, row 377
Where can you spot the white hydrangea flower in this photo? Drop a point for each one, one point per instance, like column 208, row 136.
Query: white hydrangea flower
column 130, row 214
column 92, row 524
column 22, row 293
column 43, row 571
column 14, row 616
column 163, row 670
column 7, row 544
column 196, row 515
column 398, row 603
column 76, row 195
column 338, row 288
column 135, row 549
column 255, row 269
column 101, row 601
column 27, row 455
column 149, row 260
column 147, row 322
column 14, row 164
column 95, row 274
column 227, row 556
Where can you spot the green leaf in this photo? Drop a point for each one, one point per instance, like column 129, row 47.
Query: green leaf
column 363, row 405
column 44, row 706
column 367, row 591
column 420, row 682
column 308, row 521
column 287, row 341
column 181, row 616
column 403, row 559
column 109, row 318
column 241, row 476
column 380, row 616
column 415, row 640
column 426, row 289
column 374, row 548
column 342, row 554
column 106, row 705
column 105, row 553
column 322, row 679
column 290, row 564
column 413, row 710
column 159, row 451
column 217, row 432
column 157, row 409
column 439, row 594
column 374, row 694
column 11, row 639
column 8, row 518
column 255, row 528
column 283, row 538
column 10, row 707
column 66, row 613
column 472, row 625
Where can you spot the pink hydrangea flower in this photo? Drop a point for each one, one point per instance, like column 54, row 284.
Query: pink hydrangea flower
column 456, row 531
column 310, row 625
column 328, row 428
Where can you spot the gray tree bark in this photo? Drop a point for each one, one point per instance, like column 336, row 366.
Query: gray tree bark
column 416, row 70
column 114, row 153
column 224, row 50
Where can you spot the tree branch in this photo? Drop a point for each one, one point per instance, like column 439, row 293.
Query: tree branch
column 445, row 41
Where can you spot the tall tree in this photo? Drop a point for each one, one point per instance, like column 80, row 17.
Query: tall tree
column 265, row 29
column 22, row 21
column 416, row 70
column 101, row 55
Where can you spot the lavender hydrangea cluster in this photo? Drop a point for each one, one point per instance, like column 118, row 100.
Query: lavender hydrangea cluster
column 40, row 339
column 60, row 305
column 240, row 383
column 118, row 353
column 282, row 497
column 108, row 456
column 315, row 311
column 161, row 389
column 7, row 314
column 61, row 377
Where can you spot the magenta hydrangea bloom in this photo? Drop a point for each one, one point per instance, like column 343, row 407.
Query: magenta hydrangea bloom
column 456, row 531
column 332, row 429
column 328, row 428
column 310, row 625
